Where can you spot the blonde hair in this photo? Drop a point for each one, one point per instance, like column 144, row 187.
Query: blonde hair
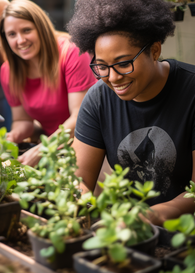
column 48, row 55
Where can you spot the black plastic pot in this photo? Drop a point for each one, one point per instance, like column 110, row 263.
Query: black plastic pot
column 176, row 258
column 83, row 262
column 147, row 246
column 9, row 215
column 165, row 237
column 178, row 15
column 192, row 8
column 62, row 260
column 24, row 147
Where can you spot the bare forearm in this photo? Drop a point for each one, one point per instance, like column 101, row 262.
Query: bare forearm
column 171, row 210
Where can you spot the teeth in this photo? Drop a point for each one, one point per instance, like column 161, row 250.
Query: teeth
column 23, row 48
column 121, row 87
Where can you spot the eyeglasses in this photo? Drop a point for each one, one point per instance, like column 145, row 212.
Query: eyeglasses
column 122, row 68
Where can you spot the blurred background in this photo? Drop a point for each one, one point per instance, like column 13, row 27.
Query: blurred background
column 180, row 47
column 59, row 11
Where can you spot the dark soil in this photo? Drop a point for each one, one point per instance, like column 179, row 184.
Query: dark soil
column 161, row 251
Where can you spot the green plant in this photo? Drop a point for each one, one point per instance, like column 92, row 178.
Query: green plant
column 185, row 224
column 182, row 4
column 53, row 188
column 120, row 210
column 11, row 171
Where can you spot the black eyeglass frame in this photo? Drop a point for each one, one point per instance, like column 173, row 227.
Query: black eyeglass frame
column 112, row 65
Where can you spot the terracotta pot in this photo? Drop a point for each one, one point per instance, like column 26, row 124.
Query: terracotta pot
column 62, row 260
column 9, row 214
column 143, row 263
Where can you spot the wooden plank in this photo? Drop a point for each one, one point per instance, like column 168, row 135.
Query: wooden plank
column 15, row 255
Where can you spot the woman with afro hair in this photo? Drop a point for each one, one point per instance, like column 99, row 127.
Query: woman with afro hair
column 141, row 112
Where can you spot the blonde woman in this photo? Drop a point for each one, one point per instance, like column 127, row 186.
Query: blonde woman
column 44, row 79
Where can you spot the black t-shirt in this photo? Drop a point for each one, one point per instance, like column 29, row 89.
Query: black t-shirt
column 154, row 138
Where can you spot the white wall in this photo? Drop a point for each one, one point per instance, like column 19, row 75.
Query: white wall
column 182, row 45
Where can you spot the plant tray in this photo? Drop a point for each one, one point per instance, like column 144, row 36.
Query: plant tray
column 15, row 255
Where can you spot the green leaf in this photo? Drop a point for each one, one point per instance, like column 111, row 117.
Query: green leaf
column 118, row 168
column 139, row 186
column 32, row 208
column 10, row 184
column 124, row 183
column 57, row 241
column 44, row 140
column 148, row 186
column 117, row 253
column 50, row 211
column 47, row 252
column 40, row 208
column 101, row 184
column 189, row 195
column 23, row 203
column 43, row 162
column 178, row 240
column 106, row 216
column 124, row 235
column 186, row 223
column 101, row 200
column 137, row 193
column 172, row 225
column 94, row 242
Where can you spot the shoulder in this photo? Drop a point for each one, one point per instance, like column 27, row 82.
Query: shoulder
column 177, row 65
column 65, row 45
column 100, row 94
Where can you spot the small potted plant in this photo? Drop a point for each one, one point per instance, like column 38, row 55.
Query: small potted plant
column 178, row 7
column 54, row 189
column 121, row 225
column 11, row 172
column 182, row 260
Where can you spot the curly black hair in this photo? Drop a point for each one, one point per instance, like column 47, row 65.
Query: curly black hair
column 144, row 21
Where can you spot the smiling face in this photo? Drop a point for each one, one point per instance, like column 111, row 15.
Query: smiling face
column 22, row 37
column 138, row 85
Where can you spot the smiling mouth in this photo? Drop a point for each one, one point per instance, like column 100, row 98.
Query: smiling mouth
column 24, row 48
column 122, row 87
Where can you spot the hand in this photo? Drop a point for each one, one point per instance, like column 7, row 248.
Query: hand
column 31, row 157
column 12, row 136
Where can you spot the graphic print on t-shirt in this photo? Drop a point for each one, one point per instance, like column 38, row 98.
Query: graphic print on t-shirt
column 151, row 155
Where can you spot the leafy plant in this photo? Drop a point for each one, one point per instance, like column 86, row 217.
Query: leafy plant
column 182, row 4
column 53, row 188
column 52, row 185
column 11, row 171
column 120, row 205
column 185, row 224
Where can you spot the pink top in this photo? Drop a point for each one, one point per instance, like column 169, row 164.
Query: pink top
column 50, row 108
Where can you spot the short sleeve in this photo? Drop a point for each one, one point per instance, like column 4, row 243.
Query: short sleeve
column 88, row 126
column 78, row 75
column 12, row 100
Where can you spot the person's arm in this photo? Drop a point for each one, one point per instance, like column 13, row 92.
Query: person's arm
column 31, row 157
column 89, row 162
column 74, row 103
column 22, row 125
column 174, row 208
